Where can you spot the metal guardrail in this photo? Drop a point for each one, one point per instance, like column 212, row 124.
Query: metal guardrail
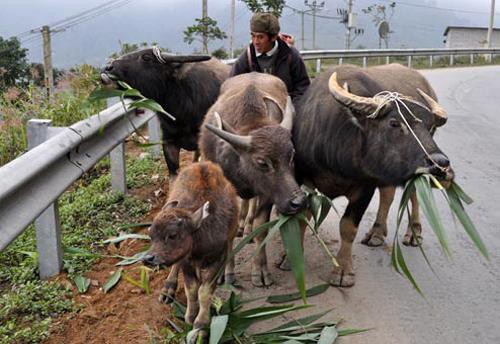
column 320, row 55
column 30, row 184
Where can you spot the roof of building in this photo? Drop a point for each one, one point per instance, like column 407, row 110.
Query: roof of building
column 448, row 28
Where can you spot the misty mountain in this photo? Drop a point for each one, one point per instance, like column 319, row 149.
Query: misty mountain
column 164, row 21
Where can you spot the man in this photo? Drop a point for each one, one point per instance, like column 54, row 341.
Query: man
column 269, row 53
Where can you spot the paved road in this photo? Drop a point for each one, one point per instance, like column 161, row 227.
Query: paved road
column 462, row 305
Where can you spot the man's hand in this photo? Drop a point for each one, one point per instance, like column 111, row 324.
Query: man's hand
column 288, row 39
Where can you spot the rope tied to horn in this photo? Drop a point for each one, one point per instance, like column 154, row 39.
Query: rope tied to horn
column 398, row 100
column 157, row 54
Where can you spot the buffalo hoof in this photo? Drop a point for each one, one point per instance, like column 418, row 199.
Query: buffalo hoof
column 413, row 236
column 373, row 240
column 240, row 232
column 285, row 264
column 262, row 279
column 197, row 336
column 339, row 278
column 167, row 293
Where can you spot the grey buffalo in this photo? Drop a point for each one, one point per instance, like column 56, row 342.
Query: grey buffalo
column 374, row 133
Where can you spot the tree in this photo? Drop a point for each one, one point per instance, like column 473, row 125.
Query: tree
column 14, row 69
column 205, row 27
column 220, row 53
column 273, row 6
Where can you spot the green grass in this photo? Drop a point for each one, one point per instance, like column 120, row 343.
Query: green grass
column 67, row 107
column 89, row 213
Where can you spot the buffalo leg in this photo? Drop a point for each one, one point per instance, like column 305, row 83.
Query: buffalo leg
column 343, row 276
column 171, row 153
column 167, row 294
column 413, row 235
column 242, row 216
column 229, row 276
column 252, row 206
column 261, row 276
column 376, row 236
column 191, row 286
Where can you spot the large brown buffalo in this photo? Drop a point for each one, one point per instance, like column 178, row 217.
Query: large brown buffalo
column 183, row 85
column 247, row 132
column 351, row 140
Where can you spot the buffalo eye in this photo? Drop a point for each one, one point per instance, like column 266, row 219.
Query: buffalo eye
column 146, row 58
column 262, row 164
column 172, row 236
column 394, row 123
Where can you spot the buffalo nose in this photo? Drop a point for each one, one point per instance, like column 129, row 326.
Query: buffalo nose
column 440, row 159
column 149, row 259
column 108, row 67
column 298, row 202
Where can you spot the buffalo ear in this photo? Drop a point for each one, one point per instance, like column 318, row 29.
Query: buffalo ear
column 171, row 204
column 274, row 110
column 199, row 215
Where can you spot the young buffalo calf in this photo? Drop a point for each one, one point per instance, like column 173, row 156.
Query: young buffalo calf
column 195, row 229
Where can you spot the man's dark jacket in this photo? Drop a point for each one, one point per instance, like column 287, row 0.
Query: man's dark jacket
column 289, row 67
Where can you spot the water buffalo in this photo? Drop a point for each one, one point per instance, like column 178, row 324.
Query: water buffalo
column 351, row 142
column 247, row 132
column 195, row 230
column 184, row 85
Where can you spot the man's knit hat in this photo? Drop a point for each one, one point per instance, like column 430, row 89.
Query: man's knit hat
column 265, row 22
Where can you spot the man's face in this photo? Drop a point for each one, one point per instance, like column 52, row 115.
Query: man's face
column 262, row 42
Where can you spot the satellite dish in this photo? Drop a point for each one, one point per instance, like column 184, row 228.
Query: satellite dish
column 384, row 29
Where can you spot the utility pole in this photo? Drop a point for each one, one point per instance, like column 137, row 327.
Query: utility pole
column 490, row 26
column 350, row 24
column 47, row 58
column 302, row 45
column 231, row 38
column 315, row 7
column 205, row 33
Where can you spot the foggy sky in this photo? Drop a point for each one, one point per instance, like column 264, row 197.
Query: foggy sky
column 164, row 20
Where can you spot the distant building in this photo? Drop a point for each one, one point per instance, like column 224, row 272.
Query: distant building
column 470, row 37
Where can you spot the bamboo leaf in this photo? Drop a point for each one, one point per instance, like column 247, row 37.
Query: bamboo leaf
column 113, row 280
column 134, row 225
column 292, row 241
column 319, row 289
column 459, row 211
column 428, row 203
column 104, row 93
column 299, row 323
column 265, row 312
column 217, row 328
column 461, row 193
column 271, row 233
column 404, row 268
column 133, row 259
column 82, row 284
column 79, row 252
column 328, row 335
column 125, row 237
column 326, row 204
column 348, row 331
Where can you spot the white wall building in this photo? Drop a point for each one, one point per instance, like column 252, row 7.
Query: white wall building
column 470, row 37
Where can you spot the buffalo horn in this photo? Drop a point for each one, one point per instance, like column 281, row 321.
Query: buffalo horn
column 287, row 121
column 365, row 105
column 201, row 214
column 184, row 58
column 438, row 111
column 237, row 141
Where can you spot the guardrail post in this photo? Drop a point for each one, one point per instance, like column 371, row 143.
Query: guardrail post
column 490, row 58
column 340, row 61
column 364, row 61
column 387, row 60
column 117, row 162
column 471, row 59
column 155, row 136
column 452, row 60
column 47, row 225
column 431, row 60
column 409, row 61
column 318, row 65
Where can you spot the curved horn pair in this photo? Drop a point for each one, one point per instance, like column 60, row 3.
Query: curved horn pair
column 364, row 105
column 437, row 110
